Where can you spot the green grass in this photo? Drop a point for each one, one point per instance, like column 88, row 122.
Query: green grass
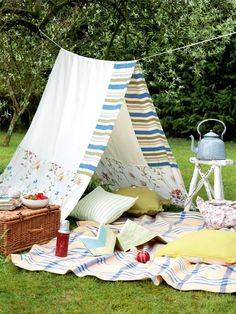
column 7, row 152
column 38, row 292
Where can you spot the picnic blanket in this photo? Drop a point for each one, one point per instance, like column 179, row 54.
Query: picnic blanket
column 177, row 272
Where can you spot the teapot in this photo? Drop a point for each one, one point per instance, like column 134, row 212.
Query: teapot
column 211, row 147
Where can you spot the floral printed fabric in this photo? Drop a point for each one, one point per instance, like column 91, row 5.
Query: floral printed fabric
column 28, row 173
column 217, row 214
column 117, row 174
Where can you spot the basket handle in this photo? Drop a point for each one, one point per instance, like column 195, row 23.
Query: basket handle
column 36, row 230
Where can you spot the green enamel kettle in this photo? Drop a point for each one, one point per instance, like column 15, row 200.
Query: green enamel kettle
column 211, row 147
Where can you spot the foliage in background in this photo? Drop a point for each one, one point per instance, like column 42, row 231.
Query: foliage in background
column 187, row 86
column 23, row 76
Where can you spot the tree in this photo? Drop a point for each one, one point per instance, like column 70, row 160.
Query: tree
column 26, row 57
column 186, row 86
column 22, row 74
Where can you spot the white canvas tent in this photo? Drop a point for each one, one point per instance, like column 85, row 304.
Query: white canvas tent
column 94, row 116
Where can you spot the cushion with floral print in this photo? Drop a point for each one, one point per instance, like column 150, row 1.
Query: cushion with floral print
column 217, row 214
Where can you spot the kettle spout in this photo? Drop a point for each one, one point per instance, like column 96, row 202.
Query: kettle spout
column 193, row 148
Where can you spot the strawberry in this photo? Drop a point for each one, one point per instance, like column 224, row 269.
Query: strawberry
column 44, row 197
column 41, row 196
column 36, row 196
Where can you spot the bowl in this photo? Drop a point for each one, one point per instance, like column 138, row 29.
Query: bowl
column 34, row 204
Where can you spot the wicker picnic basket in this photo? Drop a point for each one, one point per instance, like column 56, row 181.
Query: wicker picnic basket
column 21, row 228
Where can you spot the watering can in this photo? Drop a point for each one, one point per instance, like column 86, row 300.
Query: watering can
column 211, row 147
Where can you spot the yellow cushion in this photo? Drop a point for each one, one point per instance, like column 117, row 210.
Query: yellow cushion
column 209, row 246
column 148, row 202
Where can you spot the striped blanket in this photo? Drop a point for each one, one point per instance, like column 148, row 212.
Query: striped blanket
column 177, row 272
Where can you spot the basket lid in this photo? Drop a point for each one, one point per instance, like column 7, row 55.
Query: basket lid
column 23, row 212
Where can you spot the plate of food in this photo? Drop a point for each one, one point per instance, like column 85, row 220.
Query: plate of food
column 35, row 201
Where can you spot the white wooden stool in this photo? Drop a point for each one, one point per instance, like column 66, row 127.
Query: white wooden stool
column 214, row 167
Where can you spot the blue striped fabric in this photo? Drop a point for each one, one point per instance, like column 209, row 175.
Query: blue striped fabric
column 149, row 132
column 155, row 149
column 162, row 164
column 88, row 167
column 104, row 127
column 146, row 124
column 125, row 65
column 111, row 107
column 127, row 84
column 143, row 114
column 96, row 147
column 117, row 87
column 139, row 96
column 137, row 76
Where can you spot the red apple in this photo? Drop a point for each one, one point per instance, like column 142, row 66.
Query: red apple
column 143, row 257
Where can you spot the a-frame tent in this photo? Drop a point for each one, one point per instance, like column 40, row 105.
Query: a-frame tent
column 94, row 116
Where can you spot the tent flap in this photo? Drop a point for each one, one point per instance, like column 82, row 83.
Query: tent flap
column 71, row 135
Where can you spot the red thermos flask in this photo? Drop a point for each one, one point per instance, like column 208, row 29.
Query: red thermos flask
column 63, row 239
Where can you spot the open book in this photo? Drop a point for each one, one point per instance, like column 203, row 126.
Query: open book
column 103, row 243
column 133, row 234
column 130, row 236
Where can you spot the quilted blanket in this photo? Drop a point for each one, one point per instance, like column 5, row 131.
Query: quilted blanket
column 177, row 272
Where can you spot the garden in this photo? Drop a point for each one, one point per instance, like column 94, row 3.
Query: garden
column 186, row 51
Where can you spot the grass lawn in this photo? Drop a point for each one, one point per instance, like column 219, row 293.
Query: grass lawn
column 38, row 292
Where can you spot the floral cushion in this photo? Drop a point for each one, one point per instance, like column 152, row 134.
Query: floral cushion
column 217, row 214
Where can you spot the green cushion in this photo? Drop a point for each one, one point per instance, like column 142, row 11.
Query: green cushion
column 102, row 206
column 149, row 202
column 209, row 246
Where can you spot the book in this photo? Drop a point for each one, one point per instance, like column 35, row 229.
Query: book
column 103, row 243
column 130, row 236
column 133, row 234
column 8, row 203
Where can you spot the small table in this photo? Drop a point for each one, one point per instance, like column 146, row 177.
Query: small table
column 214, row 167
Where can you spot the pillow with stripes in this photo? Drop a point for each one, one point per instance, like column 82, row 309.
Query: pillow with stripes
column 102, row 206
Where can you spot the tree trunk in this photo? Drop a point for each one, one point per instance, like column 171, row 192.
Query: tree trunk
column 7, row 138
column 117, row 27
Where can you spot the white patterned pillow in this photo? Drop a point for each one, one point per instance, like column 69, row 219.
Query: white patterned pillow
column 217, row 214
column 102, row 206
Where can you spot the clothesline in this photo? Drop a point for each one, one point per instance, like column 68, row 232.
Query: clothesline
column 187, row 46
column 164, row 52
column 41, row 32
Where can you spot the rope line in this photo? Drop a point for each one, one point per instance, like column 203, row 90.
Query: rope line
column 187, row 46
column 41, row 32
column 161, row 53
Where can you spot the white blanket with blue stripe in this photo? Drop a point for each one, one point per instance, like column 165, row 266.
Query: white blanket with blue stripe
column 177, row 272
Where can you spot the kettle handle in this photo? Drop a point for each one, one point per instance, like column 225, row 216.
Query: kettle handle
column 211, row 120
